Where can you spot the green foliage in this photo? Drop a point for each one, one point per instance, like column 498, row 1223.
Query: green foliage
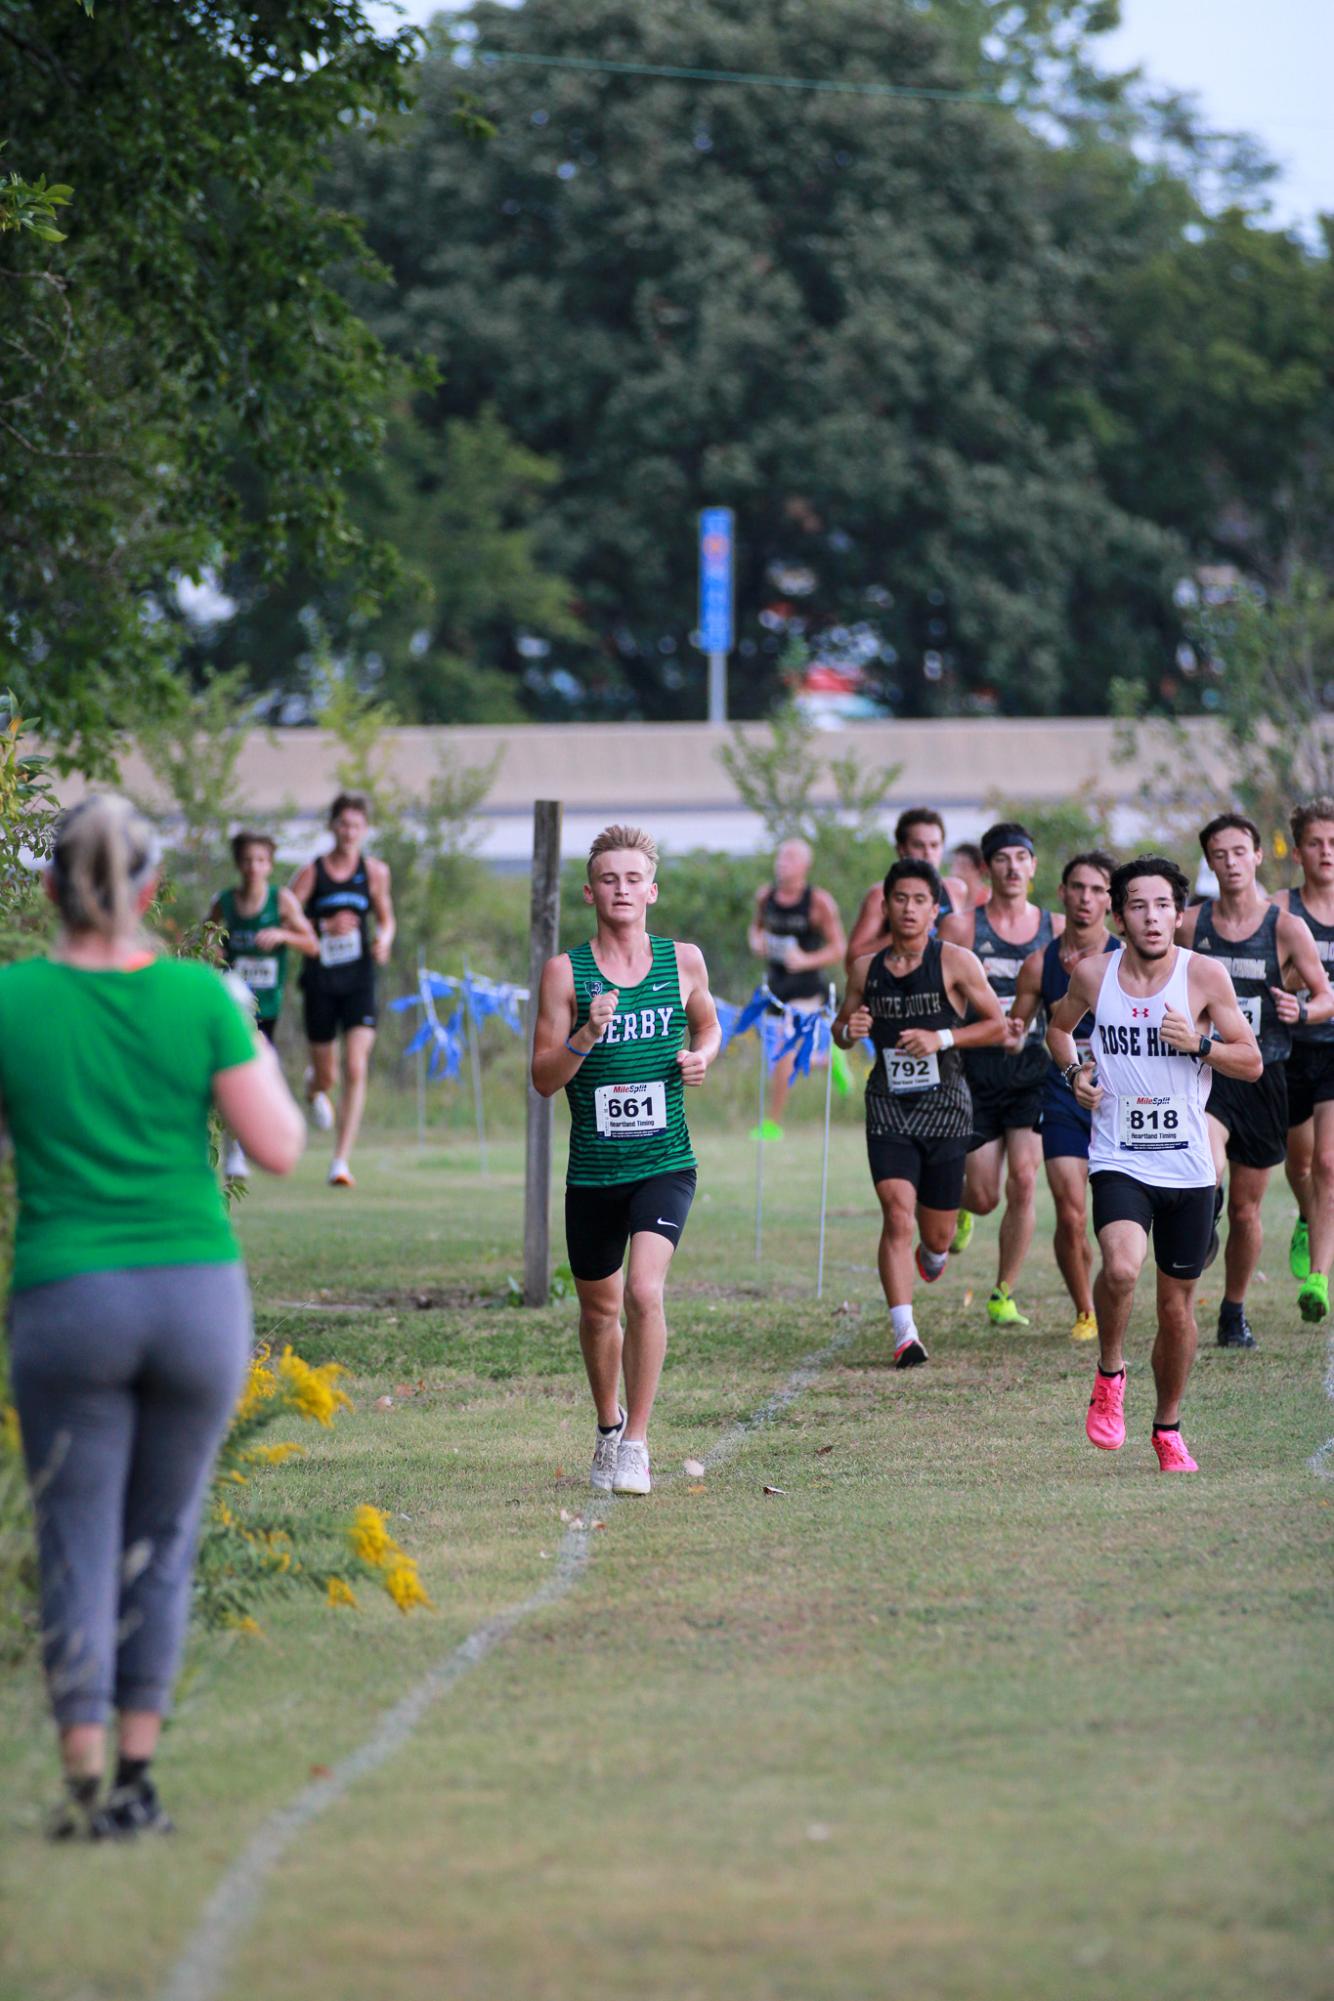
column 778, row 777
column 193, row 747
column 1274, row 653
column 31, row 205
column 185, row 378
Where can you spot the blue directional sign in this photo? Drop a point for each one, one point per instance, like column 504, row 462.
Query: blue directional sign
column 717, row 539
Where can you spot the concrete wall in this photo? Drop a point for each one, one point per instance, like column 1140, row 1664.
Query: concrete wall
column 669, row 775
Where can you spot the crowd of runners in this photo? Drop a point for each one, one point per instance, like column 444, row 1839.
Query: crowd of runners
column 1159, row 1054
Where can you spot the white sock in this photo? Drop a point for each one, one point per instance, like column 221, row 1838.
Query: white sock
column 905, row 1328
column 933, row 1260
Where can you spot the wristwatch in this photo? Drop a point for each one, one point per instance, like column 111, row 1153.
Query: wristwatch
column 1206, row 1044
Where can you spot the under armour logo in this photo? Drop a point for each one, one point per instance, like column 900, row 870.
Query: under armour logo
column 1139, row 1013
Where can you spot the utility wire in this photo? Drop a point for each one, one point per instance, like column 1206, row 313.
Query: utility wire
column 922, row 92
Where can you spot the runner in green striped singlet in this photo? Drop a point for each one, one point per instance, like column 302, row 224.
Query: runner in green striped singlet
column 623, row 1025
column 259, row 922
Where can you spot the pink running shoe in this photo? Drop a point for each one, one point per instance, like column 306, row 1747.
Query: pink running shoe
column 1105, row 1423
column 1173, row 1456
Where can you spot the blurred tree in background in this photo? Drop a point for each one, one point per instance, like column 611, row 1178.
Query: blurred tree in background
column 180, row 382
column 983, row 379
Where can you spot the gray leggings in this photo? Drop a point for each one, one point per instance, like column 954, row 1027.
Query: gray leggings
column 124, row 1382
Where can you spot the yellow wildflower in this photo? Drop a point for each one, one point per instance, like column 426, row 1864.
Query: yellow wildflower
column 274, row 1455
column 369, row 1537
column 9, row 1429
column 340, row 1592
column 313, row 1393
column 404, row 1585
column 247, row 1625
column 261, row 1386
column 223, row 1515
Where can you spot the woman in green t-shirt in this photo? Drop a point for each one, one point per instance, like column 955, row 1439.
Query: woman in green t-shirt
column 129, row 1313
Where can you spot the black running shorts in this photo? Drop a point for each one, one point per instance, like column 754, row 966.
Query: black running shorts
column 935, row 1167
column 1179, row 1220
column 599, row 1222
column 997, row 1112
column 327, row 1012
column 1310, row 1071
column 1256, row 1116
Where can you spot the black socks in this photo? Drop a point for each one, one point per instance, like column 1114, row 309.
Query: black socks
column 131, row 1771
column 1175, row 1426
column 1111, row 1374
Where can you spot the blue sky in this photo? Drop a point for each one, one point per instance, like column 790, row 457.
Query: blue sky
column 1262, row 66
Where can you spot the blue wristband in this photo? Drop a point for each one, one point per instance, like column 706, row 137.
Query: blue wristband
column 580, row 1053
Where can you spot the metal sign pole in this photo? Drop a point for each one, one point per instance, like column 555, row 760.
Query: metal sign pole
column 716, row 635
column 759, row 1147
column 475, row 1056
column 830, row 1011
column 421, row 1070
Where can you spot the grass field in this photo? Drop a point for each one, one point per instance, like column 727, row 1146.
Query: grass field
column 967, row 1710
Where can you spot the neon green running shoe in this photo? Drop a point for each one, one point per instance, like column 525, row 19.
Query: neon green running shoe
column 1313, row 1299
column 769, row 1129
column 1299, row 1250
column 963, row 1232
column 1002, row 1310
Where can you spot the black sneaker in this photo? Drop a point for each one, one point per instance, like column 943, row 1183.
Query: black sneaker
column 1234, row 1330
column 911, row 1355
column 129, row 1812
column 1212, row 1251
column 72, row 1819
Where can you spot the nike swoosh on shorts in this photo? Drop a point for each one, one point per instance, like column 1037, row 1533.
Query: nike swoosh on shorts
column 668, row 1226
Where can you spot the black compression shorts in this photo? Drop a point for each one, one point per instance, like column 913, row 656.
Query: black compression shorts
column 1310, row 1071
column 327, row 1012
column 1180, row 1220
column 599, row 1222
column 1256, row 1116
column 935, row 1167
column 997, row 1112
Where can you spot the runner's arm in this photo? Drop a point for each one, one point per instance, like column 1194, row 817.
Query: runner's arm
column 965, row 977
column 755, row 932
column 553, row 1063
column 1079, row 999
column 1185, row 931
column 382, row 903
column 1028, row 990
column 958, row 929
column 1298, row 956
column 957, row 891
column 1235, row 1053
column 853, row 1019
column 706, row 1036
column 867, row 928
column 825, row 917
column 297, row 929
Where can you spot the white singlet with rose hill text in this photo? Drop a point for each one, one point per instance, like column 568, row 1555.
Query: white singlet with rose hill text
column 1150, row 1123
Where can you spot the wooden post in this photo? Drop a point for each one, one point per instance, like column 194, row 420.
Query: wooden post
column 543, row 938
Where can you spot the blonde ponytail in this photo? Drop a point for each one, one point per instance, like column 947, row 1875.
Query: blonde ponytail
column 104, row 853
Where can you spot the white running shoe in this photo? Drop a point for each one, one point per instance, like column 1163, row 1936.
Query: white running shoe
column 340, row 1175
column 236, row 1167
column 603, row 1470
column 632, row 1468
column 321, row 1111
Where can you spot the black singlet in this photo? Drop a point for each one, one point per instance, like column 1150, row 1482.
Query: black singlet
column 940, row 1108
column 1254, row 965
column 326, row 898
column 1002, row 963
column 793, row 920
column 1320, row 1031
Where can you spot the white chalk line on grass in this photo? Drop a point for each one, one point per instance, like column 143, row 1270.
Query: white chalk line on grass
column 1321, row 1463
column 232, row 1909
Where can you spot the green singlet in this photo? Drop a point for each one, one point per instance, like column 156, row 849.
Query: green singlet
column 263, row 972
column 627, row 1101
